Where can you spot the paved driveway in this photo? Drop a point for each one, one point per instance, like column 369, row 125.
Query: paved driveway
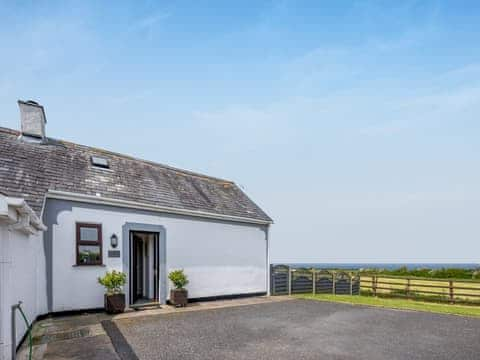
column 300, row 329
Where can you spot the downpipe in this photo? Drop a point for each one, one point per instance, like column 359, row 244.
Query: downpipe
column 14, row 331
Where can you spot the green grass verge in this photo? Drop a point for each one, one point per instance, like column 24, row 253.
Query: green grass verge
column 403, row 304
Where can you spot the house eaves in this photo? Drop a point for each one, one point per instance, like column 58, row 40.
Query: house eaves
column 63, row 195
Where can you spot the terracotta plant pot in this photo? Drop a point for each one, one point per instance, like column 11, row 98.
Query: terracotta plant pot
column 115, row 303
column 179, row 297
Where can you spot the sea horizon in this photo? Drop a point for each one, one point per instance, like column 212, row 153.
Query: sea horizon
column 389, row 266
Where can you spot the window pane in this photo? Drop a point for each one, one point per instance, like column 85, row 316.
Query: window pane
column 89, row 254
column 88, row 234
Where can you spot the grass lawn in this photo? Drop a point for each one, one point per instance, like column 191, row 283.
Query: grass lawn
column 463, row 310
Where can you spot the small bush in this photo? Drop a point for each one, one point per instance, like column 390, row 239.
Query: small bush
column 113, row 282
column 178, row 278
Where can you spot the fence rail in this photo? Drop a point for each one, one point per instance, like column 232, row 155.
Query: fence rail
column 448, row 290
column 285, row 280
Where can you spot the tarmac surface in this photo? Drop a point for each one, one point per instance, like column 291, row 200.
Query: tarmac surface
column 297, row 329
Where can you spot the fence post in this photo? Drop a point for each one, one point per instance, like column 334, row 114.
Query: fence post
column 374, row 285
column 334, row 279
column 289, row 280
column 272, row 281
column 452, row 295
column 314, row 281
column 407, row 289
column 351, row 284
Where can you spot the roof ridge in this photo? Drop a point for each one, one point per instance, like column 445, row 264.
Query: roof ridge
column 178, row 170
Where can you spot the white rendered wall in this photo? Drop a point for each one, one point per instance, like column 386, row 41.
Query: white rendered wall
column 219, row 258
column 22, row 278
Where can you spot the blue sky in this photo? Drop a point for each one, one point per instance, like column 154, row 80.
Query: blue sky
column 354, row 124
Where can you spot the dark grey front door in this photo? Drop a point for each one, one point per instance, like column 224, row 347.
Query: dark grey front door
column 136, row 267
column 139, row 274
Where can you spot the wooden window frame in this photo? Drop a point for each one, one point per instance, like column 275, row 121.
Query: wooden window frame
column 80, row 242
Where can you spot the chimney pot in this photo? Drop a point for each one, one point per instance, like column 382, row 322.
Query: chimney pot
column 33, row 119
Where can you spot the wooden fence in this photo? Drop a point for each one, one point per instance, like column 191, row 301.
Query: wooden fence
column 449, row 290
column 285, row 280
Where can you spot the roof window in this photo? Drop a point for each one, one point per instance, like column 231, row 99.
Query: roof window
column 100, row 162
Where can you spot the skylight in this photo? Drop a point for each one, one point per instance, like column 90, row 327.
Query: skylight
column 100, row 162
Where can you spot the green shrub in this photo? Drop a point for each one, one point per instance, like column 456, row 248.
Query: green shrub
column 113, row 282
column 178, row 278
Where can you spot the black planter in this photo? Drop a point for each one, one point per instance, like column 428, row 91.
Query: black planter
column 179, row 297
column 115, row 303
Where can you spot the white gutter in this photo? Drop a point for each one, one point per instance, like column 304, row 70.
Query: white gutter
column 63, row 195
column 19, row 216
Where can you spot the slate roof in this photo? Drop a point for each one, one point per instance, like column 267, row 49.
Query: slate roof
column 29, row 170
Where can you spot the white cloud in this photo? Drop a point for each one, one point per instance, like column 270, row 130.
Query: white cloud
column 148, row 23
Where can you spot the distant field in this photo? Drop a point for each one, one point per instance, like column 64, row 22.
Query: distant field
column 457, row 273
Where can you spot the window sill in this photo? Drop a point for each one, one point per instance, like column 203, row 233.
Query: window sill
column 89, row 265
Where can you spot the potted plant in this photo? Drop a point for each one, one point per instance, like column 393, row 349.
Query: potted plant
column 179, row 295
column 113, row 282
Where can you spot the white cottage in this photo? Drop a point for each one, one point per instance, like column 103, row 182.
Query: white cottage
column 91, row 210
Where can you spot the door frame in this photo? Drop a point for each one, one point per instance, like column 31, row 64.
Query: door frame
column 160, row 252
